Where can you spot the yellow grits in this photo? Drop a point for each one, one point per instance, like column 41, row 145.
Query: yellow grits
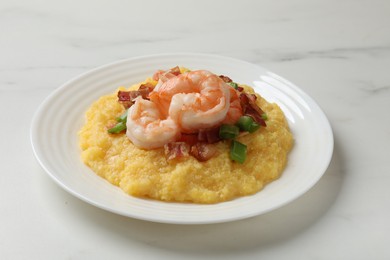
column 148, row 174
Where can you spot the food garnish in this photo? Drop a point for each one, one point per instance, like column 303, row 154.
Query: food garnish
column 238, row 151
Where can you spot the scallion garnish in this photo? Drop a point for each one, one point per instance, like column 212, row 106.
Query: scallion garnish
column 253, row 127
column 122, row 118
column 246, row 123
column 264, row 116
column 228, row 131
column 119, row 127
column 233, row 84
column 238, row 151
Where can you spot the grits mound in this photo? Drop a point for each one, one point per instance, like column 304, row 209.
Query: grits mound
column 148, row 174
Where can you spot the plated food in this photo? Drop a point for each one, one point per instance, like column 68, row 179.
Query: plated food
column 58, row 120
column 186, row 136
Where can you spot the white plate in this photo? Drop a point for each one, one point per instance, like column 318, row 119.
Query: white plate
column 61, row 115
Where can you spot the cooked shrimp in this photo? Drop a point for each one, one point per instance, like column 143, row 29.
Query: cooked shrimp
column 146, row 128
column 235, row 109
column 194, row 100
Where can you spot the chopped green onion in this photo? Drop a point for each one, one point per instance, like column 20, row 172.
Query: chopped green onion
column 117, row 128
column 122, row 118
column 264, row 116
column 228, row 131
column 238, row 151
column 253, row 127
column 246, row 123
column 233, row 84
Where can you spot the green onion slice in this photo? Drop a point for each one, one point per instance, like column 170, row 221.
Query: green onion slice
column 253, row 127
column 228, row 131
column 119, row 127
column 233, row 84
column 264, row 116
column 246, row 123
column 122, row 118
column 238, row 151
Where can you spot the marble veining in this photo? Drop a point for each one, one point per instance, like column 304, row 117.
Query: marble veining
column 334, row 53
column 371, row 88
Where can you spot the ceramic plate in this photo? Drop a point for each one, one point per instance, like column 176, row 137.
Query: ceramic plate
column 59, row 118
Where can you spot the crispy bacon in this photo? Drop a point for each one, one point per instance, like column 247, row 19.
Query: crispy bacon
column 226, row 79
column 176, row 150
column 203, row 151
column 250, row 108
column 209, row 135
column 200, row 145
column 165, row 75
column 146, row 88
column 204, row 135
column 190, row 139
column 126, row 98
column 175, row 71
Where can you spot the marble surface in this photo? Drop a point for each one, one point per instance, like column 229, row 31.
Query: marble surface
column 336, row 51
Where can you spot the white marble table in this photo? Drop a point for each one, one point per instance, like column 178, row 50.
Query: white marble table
column 336, row 51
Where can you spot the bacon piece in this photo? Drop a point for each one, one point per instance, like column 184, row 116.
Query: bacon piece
column 123, row 96
column 146, row 89
column 209, row 135
column 203, row 151
column 226, row 79
column 126, row 98
column 190, row 139
column 175, row 71
column 176, row 150
column 250, row 108
column 204, row 135
column 165, row 75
